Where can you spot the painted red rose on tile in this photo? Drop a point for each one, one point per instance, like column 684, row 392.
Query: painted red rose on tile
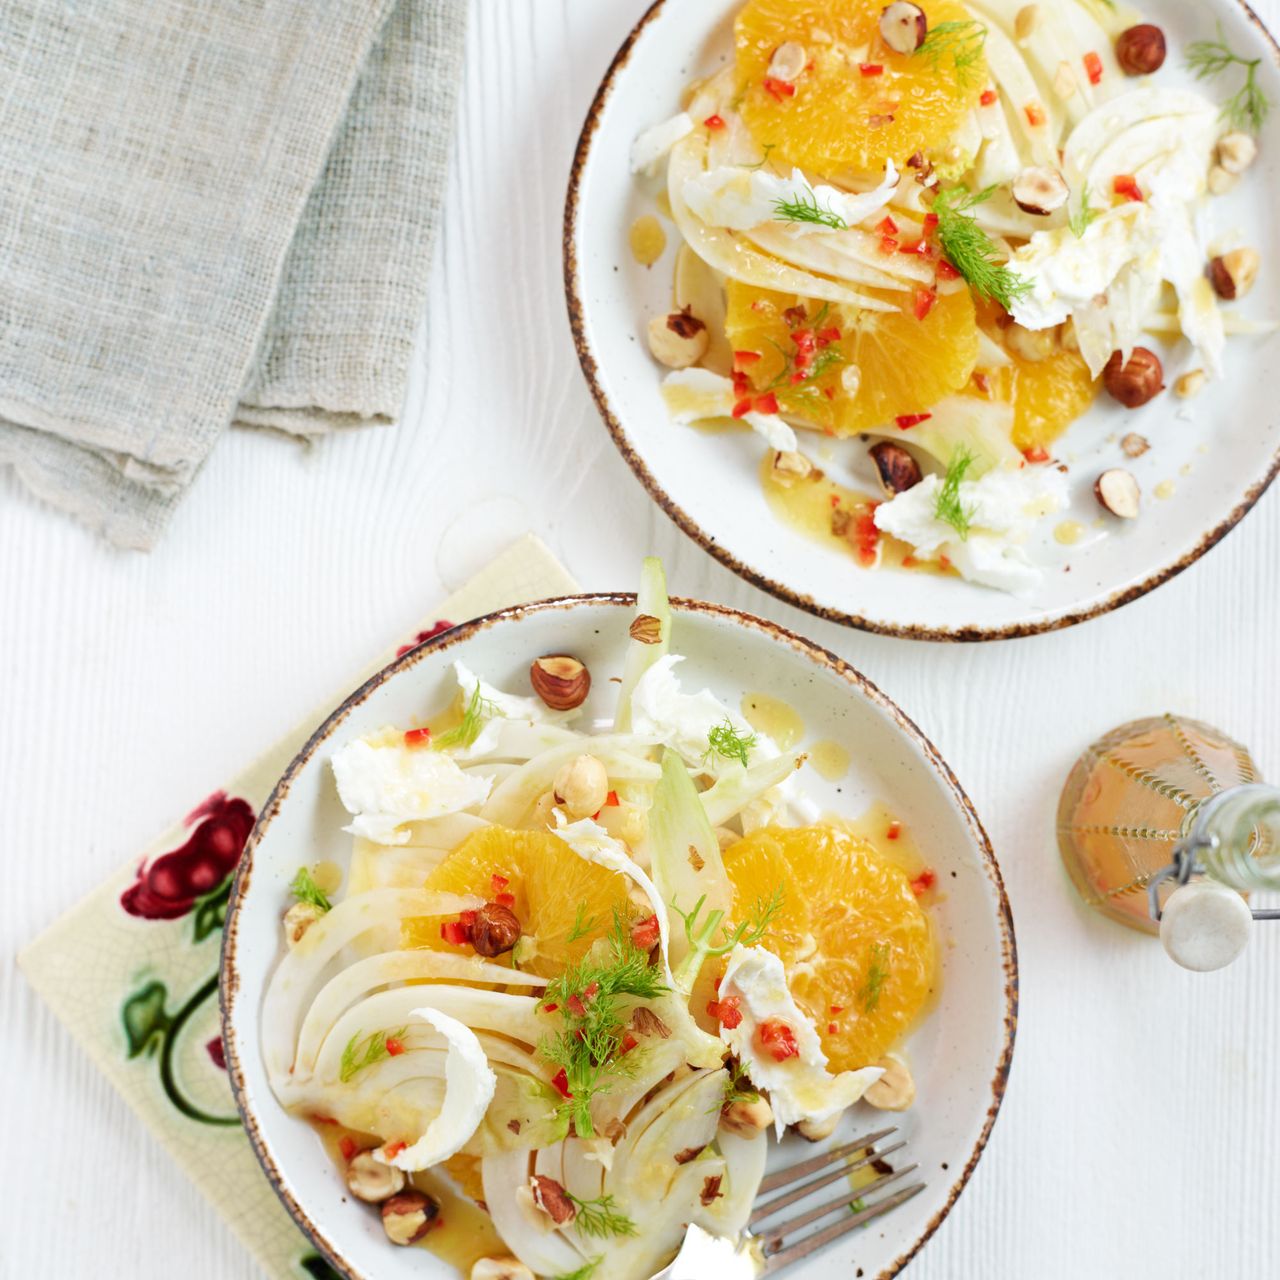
column 423, row 636
column 174, row 882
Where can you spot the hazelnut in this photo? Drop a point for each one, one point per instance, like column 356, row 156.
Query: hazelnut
column 529, row 1211
column 1236, row 152
column 407, row 1217
column 1221, row 181
column 789, row 467
column 647, row 629
column 1064, row 81
column 560, row 681
column 500, row 1269
column 581, row 787
column 819, row 1130
column 903, row 27
column 298, row 919
column 678, row 340
column 895, row 1090
column 495, row 931
column 787, row 63
column 552, row 1199
column 711, row 1190
column 1141, row 50
column 1190, row 384
column 1032, row 345
column 644, row 1022
column 1118, row 492
column 1040, row 190
column 544, row 811
column 899, row 471
column 1027, row 21
column 372, row 1181
column 1233, row 274
column 747, row 1119
column 689, row 1154
column 1135, row 383
column 1134, row 445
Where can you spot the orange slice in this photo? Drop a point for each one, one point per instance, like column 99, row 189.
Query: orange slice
column 563, row 902
column 903, row 365
column 857, row 946
column 856, row 103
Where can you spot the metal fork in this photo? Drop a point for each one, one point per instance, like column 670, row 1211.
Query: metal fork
column 801, row 1181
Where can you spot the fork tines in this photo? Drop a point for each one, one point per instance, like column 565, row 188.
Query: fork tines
column 799, row 1182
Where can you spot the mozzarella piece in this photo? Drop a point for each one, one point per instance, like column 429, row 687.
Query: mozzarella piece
column 651, row 147
column 469, row 1086
column 693, row 395
column 740, row 199
column 800, row 1088
column 387, row 785
column 703, row 1255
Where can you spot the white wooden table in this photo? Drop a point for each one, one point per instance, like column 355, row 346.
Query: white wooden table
column 1140, row 1132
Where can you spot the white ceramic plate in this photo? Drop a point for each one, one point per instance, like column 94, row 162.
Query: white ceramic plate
column 1219, row 451
column 960, row 1053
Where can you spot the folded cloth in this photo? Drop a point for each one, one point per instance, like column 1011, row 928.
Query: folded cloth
column 210, row 211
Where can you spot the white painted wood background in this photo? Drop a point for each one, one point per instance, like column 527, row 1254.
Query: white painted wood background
column 1141, row 1128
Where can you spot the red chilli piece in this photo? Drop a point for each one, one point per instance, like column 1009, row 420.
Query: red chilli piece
column 779, row 89
column 348, row 1146
column 560, row 1083
column 499, row 882
column 895, row 830
column 888, row 245
column 866, row 536
column 930, row 223
column 714, row 122
column 507, row 900
column 909, row 420
column 767, row 403
column 417, row 737
column 887, row 228
column 611, row 801
column 1126, row 185
column 742, row 408
column 989, row 98
column 777, row 1039
column 746, row 357
column 923, row 883
column 1093, row 67
column 645, row 934
column 1036, row 117
column 395, row 1047
column 726, row 1012
column 828, row 336
column 925, row 298
column 393, row 1149
column 1037, row 453
column 871, row 68
column 550, row 1008
column 629, row 1042
column 836, row 1010
column 946, row 271
column 832, row 1029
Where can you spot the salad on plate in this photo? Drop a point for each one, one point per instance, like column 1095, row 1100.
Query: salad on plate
column 580, row 975
column 919, row 241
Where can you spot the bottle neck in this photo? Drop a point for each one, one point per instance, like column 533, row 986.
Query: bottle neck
column 1235, row 835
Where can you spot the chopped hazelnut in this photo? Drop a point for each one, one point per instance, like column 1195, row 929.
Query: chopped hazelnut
column 747, row 1119
column 1027, row 21
column 689, row 1154
column 1137, row 382
column 1134, row 445
column 1064, row 81
column 898, row 470
column 500, row 1269
column 581, row 787
column 788, row 62
column 561, row 681
column 647, row 629
column 1040, row 190
column 678, row 340
column 495, row 931
column 895, row 1090
column 372, row 1181
column 1236, row 152
column 1141, row 50
column 552, row 1199
column 1221, row 181
column 819, row 1130
column 1190, row 384
column 788, row 467
column 711, row 1190
column 1118, row 492
column 298, row 919
column 1233, row 274
column 903, row 26
column 647, row 1023
column 407, row 1217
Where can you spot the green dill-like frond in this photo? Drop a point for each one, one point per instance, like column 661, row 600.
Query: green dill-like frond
column 971, row 250
column 805, row 208
column 752, row 930
column 948, row 508
column 1249, row 107
column 586, row 1271
column 601, row 1217
column 961, row 42
column 769, row 148
column 305, row 889
column 361, row 1052
column 737, row 1088
column 877, row 975
column 582, row 924
column 1084, row 216
column 478, row 710
column 726, row 741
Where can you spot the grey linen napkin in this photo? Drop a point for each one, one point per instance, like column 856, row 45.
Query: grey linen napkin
column 210, row 211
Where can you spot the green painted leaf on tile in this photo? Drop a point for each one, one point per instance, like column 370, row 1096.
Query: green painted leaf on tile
column 146, row 1024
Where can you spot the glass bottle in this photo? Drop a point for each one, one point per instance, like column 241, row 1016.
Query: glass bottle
column 1147, row 789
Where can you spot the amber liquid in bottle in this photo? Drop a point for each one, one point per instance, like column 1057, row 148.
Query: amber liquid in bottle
column 1130, row 799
